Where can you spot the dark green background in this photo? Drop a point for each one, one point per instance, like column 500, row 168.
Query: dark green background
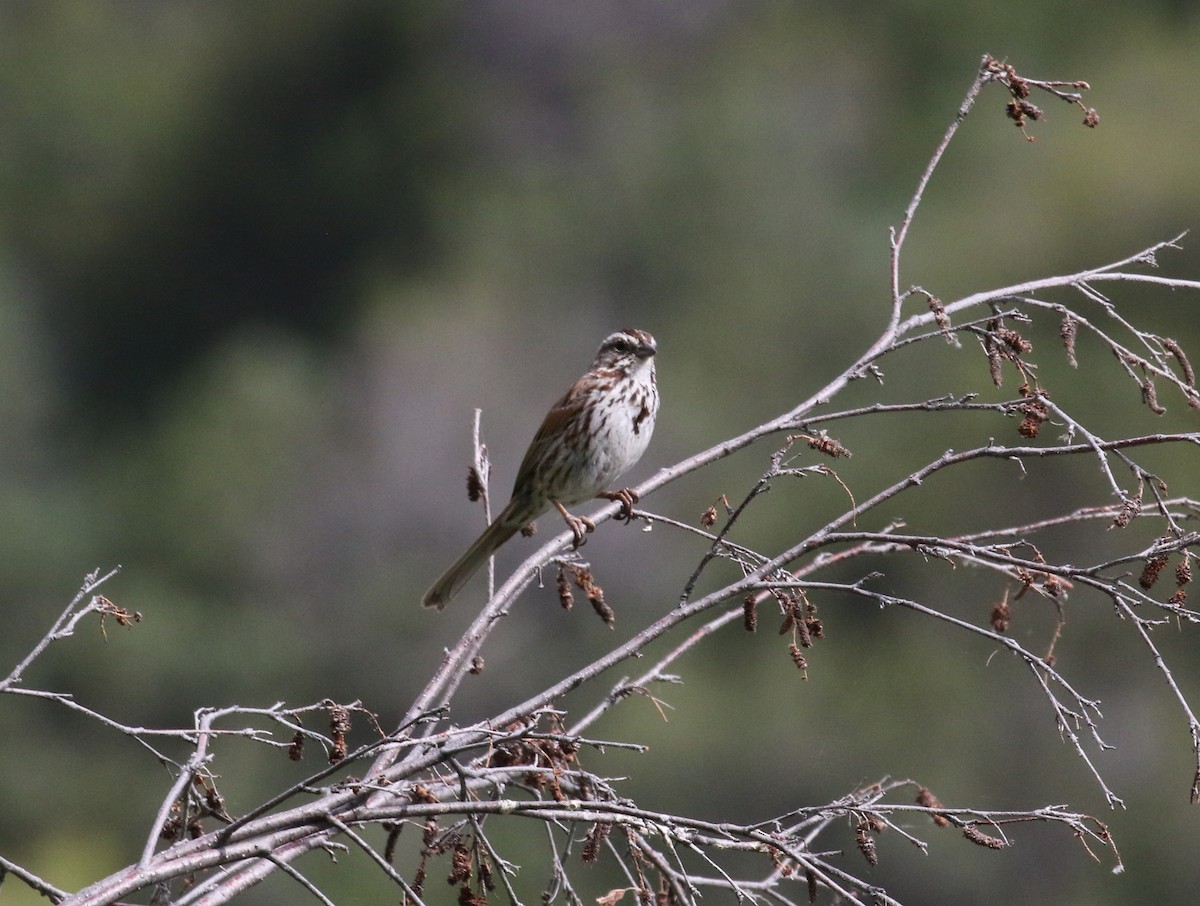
column 260, row 261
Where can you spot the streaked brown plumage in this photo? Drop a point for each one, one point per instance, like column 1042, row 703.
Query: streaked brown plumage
column 597, row 431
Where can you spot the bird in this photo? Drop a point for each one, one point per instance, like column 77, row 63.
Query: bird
column 597, row 431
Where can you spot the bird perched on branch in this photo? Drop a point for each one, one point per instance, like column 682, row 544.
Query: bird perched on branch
column 597, row 431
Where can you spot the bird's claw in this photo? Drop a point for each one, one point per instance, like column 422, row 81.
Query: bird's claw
column 627, row 497
column 579, row 526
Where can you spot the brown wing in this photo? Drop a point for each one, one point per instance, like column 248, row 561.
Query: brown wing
column 549, row 432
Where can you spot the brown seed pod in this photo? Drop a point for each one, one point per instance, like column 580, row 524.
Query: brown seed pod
column 1001, row 616
column 978, row 837
column 475, row 487
column 1151, row 570
column 750, row 613
column 866, row 843
column 1067, row 330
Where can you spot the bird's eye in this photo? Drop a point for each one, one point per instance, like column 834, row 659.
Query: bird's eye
column 621, row 346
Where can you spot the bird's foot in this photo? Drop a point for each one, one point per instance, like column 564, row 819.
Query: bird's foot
column 579, row 525
column 627, row 497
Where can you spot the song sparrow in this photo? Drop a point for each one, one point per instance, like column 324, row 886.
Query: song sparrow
column 594, row 433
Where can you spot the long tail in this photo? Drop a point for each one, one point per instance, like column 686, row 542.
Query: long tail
column 464, row 567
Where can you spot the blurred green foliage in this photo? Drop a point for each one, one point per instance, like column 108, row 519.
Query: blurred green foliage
column 260, row 261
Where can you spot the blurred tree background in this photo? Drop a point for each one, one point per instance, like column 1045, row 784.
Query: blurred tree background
column 260, row 261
